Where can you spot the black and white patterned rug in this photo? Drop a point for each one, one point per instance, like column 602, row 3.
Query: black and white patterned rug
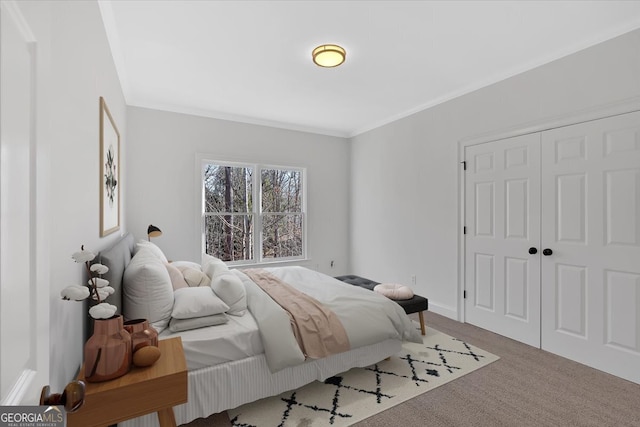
column 347, row 398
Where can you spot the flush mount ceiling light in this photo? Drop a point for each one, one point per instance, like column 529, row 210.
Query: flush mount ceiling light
column 328, row 55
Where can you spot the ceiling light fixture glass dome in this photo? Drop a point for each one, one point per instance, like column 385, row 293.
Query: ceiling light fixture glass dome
column 328, row 55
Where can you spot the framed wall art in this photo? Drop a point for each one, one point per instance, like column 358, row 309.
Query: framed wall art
column 109, row 172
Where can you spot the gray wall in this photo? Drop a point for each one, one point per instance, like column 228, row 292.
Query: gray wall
column 163, row 182
column 404, row 176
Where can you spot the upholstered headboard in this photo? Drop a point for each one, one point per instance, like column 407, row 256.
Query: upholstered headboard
column 117, row 258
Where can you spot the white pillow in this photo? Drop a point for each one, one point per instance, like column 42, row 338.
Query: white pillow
column 147, row 290
column 231, row 290
column 153, row 248
column 196, row 302
column 212, row 266
column 178, row 325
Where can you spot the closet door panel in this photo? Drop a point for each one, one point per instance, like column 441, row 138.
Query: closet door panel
column 571, row 213
column 590, row 220
column 502, row 208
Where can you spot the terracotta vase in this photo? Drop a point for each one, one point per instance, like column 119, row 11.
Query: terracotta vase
column 142, row 334
column 107, row 354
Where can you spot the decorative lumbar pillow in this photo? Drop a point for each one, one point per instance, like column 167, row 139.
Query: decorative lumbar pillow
column 213, row 266
column 177, row 279
column 186, row 264
column 147, row 290
column 196, row 302
column 179, row 325
column 153, row 248
column 394, row 291
column 231, row 290
column 194, row 277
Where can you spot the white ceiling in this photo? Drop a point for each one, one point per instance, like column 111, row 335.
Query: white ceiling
column 250, row 61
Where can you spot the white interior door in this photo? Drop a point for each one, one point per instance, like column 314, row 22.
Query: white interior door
column 22, row 370
column 591, row 223
column 502, row 217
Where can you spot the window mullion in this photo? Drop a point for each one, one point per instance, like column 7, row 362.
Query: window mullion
column 257, row 212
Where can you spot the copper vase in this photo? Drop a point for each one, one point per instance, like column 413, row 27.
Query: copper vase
column 107, row 354
column 142, row 334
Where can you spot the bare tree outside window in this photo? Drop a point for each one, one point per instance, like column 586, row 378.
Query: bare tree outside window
column 228, row 200
column 281, row 193
column 230, row 226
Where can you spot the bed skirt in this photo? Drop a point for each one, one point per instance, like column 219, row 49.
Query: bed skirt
column 226, row 386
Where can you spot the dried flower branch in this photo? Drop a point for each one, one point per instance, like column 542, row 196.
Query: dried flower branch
column 99, row 288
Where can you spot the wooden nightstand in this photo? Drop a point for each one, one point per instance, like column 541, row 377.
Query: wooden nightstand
column 157, row 388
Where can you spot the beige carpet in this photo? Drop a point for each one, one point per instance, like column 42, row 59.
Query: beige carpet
column 350, row 397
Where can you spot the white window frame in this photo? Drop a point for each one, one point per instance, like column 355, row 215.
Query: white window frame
column 257, row 209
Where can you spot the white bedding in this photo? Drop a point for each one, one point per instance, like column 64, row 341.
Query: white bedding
column 210, row 346
column 230, row 364
column 367, row 317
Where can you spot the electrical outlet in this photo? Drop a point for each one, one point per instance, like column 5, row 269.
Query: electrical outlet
column 413, row 279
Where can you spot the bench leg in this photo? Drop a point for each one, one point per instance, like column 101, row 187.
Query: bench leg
column 422, row 328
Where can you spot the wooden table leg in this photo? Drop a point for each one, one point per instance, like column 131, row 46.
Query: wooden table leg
column 166, row 417
column 422, row 328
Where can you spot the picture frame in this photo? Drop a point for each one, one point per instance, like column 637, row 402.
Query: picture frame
column 110, row 183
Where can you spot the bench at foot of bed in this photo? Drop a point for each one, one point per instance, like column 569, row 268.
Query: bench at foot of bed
column 417, row 304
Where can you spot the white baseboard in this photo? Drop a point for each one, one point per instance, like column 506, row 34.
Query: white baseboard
column 443, row 310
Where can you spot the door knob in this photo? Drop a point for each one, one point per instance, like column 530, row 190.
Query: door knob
column 71, row 398
column 533, row 250
column 547, row 252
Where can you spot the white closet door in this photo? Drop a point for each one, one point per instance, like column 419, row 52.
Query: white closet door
column 591, row 223
column 502, row 216
column 23, row 354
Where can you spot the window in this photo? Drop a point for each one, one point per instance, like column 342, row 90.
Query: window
column 253, row 213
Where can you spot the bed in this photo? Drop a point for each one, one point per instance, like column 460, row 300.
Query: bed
column 240, row 361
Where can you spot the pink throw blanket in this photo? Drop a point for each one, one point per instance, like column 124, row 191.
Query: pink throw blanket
column 317, row 329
